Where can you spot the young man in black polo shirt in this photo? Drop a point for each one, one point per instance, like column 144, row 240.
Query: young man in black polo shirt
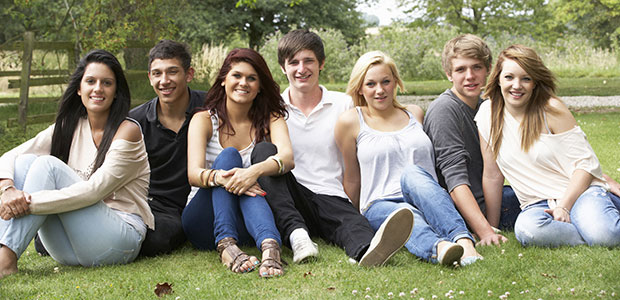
column 164, row 121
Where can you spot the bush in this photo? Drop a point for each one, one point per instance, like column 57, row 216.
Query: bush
column 572, row 56
column 416, row 51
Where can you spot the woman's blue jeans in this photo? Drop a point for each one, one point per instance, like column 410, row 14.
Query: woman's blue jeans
column 90, row 236
column 595, row 220
column 435, row 217
column 214, row 213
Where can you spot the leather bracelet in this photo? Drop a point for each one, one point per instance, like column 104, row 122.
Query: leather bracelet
column 215, row 183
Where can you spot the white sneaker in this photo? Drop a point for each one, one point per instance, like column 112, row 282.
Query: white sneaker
column 391, row 236
column 304, row 250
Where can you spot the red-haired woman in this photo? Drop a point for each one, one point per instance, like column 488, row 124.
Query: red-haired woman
column 242, row 108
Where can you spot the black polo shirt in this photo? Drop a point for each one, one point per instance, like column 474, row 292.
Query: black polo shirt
column 167, row 152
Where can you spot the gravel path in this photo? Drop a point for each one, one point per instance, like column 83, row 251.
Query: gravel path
column 575, row 103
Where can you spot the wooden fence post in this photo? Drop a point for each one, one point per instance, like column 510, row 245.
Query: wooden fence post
column 25, row 77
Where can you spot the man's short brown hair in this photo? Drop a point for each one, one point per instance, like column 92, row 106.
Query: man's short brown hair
column 465, row 45
column 297, row 40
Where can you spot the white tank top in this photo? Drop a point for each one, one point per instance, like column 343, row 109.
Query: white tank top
column 213, row 150
column 382, row 157
column 214, row 147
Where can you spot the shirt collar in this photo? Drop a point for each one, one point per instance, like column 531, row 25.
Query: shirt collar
column 325, row 99
column 195, row 100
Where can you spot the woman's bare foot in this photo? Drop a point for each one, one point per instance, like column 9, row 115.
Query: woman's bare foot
column 271, row 265
column 235, row 259
column 8, row 261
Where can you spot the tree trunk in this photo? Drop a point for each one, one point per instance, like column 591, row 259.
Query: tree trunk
column 136, row 58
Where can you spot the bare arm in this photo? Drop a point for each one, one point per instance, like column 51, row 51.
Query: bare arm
column 242, row 180
column 345, row 134
column 492, row 181
column 417, row 112
column 198, row 134
column 560, row 120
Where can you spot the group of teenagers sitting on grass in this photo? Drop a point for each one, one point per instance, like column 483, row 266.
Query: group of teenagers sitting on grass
column 244, row 163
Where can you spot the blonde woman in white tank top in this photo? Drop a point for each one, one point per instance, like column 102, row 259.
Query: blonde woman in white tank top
column 380, row 141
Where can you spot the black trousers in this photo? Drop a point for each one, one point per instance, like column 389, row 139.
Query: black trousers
column 332, row 218
column 168, row 234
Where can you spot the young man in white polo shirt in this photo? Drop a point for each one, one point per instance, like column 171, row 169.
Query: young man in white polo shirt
column 311, row 200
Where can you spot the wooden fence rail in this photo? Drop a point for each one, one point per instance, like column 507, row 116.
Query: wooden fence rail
column 52, row 77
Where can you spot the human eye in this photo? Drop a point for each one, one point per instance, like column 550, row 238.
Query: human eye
column 508, row 77
column 528, row 79
column 386, row 82
column 155, row 73
column 293, row 62
column 236, row 75
column 370, row 84
column 251, row 78
column 108, row 82
column 459, row 70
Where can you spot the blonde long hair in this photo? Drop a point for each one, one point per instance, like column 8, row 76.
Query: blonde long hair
column 359, row 71
column 544, row 89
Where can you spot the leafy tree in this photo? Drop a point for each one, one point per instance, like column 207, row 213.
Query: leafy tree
column 598, row 20
column 485, row 17
column 19, row 16
column 215, row 20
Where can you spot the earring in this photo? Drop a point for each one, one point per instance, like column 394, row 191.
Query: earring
column 223, row 83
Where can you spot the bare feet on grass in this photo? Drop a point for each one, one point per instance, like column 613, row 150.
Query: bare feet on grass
column 8, row 261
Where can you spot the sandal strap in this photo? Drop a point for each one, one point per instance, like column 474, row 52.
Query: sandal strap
column 239, row 257
column 271, row 255
column 224, row 243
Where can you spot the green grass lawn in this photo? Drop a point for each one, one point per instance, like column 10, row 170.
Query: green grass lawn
column 532, row 273
column 526, row 273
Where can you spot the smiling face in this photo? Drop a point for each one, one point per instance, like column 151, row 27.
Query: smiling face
column 302, row 70
column 468, row 76
column 97, row 88
column 379, row 87
column 516, row 85
column 241, row 83
column 169, row 79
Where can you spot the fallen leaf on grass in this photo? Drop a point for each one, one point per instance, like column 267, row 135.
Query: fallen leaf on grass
column 308, row 274
column 548, row 275
column 331, row 288
column 163, row 289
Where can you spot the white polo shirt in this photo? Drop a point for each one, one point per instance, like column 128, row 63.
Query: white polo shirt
column 318, row 162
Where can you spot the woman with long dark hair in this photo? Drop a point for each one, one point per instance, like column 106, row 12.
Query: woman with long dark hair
column 242, row 109
column 528, row 136
column 81, row 183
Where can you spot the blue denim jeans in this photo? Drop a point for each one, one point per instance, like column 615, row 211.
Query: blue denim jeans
column 90, row 236
column 511, row 208
column 214, row 213
column 595, row 220
column 435, row 217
